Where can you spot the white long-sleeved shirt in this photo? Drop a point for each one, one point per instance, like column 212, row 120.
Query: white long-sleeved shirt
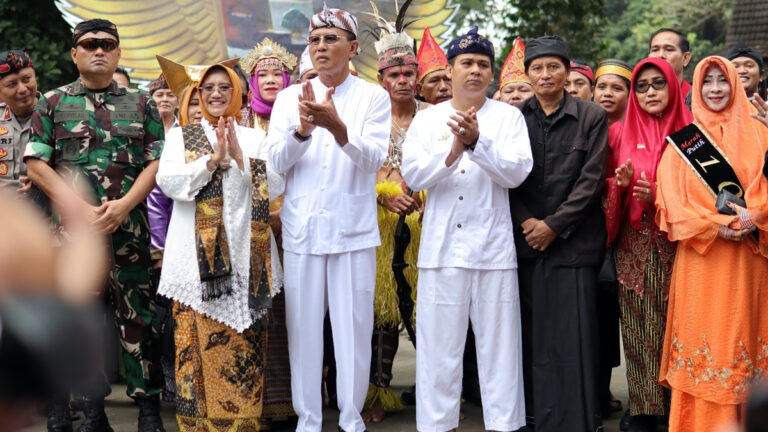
column 330, row 191
column 467, row 221
column 182, row 181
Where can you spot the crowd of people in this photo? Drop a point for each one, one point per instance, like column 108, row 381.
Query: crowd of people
column 274, row 222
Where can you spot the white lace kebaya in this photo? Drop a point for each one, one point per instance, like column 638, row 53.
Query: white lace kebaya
column 181, row 181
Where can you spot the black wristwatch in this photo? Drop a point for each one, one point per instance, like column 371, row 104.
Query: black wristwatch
column 299, row 136
column 472, row 145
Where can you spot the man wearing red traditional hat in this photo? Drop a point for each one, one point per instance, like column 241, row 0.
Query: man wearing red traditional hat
column 433, row 85
column 580, row 82
column 514, row 86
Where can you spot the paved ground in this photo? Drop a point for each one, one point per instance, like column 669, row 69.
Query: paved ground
column 122, row 413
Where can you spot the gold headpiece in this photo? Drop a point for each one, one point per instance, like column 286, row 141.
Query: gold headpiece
column 180, row 78
column 268, row 49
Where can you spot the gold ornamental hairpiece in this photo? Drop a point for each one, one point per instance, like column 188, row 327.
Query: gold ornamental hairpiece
column 268, row 49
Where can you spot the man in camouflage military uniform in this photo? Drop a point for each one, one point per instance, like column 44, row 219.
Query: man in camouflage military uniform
column 108, row 138
column 18, row 91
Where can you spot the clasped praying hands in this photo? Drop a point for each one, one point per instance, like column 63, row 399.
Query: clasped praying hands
column 227, row 146
column 465, row 132
column 323, row 114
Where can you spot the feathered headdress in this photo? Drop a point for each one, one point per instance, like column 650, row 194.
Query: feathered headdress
column 394, row 46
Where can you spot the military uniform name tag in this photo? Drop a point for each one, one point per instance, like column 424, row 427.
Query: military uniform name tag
column 71, row 116
column 125, row 107
column 129, row 130
column 132, row 116
column 70, row 112
column 129, row 98
column 71, row 107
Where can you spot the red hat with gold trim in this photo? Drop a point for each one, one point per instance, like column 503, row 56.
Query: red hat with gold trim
column 514, row 68
column 430, row 56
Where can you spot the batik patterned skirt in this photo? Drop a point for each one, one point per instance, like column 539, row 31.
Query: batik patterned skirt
column 643, row 322
column 219, row 374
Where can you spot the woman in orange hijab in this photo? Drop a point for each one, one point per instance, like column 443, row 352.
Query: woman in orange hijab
column 218, row 258
column 716, row 342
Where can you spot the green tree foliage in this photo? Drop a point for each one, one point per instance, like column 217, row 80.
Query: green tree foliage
column 579, row 22
column 37, row 27
column 631, row 24
column 597, row 29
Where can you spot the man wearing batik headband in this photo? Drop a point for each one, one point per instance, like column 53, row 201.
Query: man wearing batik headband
column 580, row 81
column 108, row 138
column 514, row 86
column 18, row 91
column 468, row 152
column 432, row 86
column 560, row 237
column 269, row 66
column 397, row 74
column 329, row 137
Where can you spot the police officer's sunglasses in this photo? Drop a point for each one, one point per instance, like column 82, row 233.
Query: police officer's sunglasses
column 92, row 44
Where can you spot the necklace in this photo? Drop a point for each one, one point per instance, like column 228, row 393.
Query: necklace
column 396, row 138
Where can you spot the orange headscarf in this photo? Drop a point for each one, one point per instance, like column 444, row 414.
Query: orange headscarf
column 235, row 103
column 686, row 208
column 184, row 105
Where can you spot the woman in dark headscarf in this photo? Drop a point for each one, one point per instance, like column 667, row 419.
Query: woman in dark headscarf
column 644, row 254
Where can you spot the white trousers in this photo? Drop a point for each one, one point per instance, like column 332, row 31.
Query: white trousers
column 448, row 298
column 342, row 284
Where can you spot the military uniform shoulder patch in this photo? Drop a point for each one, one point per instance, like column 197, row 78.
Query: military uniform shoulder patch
column 6, row 113
column 42, row 105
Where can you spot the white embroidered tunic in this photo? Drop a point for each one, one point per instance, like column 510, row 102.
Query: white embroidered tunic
column 330, row 192
column 181, row 181
column 467, row 221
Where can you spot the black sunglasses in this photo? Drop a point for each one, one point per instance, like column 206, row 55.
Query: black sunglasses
column 93, row 44
column 643, row 87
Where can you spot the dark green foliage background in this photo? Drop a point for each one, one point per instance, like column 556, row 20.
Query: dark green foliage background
column 37, row 27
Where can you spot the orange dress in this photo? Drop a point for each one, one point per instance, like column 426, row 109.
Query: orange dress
column 716, row 343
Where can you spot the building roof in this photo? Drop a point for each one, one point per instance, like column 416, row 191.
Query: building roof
column 749, row 24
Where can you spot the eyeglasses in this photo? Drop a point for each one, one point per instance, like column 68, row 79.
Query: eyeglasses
column 210, row 88
column 329, row 39
column 93, row 44
column 657, row 84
